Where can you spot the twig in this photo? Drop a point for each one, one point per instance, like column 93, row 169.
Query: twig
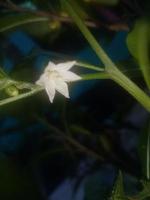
column 72, row 141
column 11, row 6
column 64, row 19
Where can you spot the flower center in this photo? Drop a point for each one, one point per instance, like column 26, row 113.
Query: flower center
column 53, row 74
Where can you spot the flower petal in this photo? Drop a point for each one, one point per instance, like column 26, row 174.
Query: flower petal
column 70, row 76
column 65, row 66
column 50, row 89
column 62, row 87
column 50, row 66
column 41, row 80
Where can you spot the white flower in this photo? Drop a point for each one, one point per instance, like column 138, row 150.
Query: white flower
column 55, row 77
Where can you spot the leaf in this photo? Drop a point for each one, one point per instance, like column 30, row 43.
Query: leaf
column 138, row 42
column 118, row 190
column 13, row 21
column 144, row 150
column 48, row 31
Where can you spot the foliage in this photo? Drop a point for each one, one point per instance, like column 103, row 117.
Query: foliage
column 138, row 43
column 118, row 191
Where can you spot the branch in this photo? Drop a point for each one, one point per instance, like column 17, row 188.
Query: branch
column 64, row 19
column 13, row 7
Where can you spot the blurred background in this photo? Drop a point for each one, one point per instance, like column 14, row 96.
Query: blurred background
column 71, row 149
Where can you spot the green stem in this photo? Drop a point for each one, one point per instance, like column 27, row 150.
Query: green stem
column 87, row 34
column 21, row 96
column 132, row 89
column 93, row 76
column 89, row 66
column 39, row 89
column 114, row 73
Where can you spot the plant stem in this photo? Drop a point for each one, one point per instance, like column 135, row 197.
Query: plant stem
column 87, row 34
column 38, row 89
column 132, row 89
column 114, row 73
column 72, row 141
column 21, row 96
column 93, row 76
column 89, row 66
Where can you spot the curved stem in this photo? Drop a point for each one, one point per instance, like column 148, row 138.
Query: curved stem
column 38, row 89
column 93, row 76
column 21, row 96
column 114, row 73
column 89, row 66
column 132, row 89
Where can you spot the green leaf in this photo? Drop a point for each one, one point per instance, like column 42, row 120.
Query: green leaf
column 15, row 20
column 48, row 31
column 118, row 190
column 138, row 42
column 144, row 150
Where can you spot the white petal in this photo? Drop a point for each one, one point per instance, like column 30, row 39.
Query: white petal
column 50, row 66
column 50, row 89
column 41, row 80
column 65, row 66
column 62, row 87
column 70, row 76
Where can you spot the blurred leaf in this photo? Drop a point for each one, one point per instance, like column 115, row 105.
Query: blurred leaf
column 12, row 21
column 47, row 33
column 145, row 193
column 118, row 190
column 138, row 42
column 144, row 150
